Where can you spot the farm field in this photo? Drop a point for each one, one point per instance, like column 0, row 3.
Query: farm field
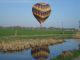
column 13, row 32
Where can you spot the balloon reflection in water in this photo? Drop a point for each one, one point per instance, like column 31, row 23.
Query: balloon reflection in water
column 41, row 11
column 40, row 53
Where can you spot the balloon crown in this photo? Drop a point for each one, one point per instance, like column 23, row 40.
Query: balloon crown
column 43, row 3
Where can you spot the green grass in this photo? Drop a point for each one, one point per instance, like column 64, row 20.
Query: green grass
column 75, row 54
column 9, row 33
column 6, row 32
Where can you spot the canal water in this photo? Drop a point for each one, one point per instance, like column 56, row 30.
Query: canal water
column 51, row 51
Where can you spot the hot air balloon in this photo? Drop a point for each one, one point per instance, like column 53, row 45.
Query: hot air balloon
column 41, row 12
column 40, row 53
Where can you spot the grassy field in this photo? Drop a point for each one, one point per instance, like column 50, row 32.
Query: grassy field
column 10, row 32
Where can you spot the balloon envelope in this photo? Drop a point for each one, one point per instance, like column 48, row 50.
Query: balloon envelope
column 41, row 11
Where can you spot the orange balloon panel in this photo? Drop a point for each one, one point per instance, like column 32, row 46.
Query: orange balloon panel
column 41, row 11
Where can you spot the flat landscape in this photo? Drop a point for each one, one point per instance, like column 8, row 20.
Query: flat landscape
column 36, row 32
column 18, row 39
column 24, row 38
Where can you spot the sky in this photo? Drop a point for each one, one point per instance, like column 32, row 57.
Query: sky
column 64, row 13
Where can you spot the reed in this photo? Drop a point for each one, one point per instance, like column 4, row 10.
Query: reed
column 21, row 44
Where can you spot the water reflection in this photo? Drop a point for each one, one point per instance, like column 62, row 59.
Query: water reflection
column 44, row 52
column 40, row 53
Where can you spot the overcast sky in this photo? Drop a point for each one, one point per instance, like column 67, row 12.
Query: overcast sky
column 19, row 12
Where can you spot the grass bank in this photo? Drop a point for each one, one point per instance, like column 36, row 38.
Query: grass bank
column 75, row 54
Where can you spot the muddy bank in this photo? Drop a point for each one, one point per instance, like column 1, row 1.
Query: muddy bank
column 77, row 35
column 17, row 45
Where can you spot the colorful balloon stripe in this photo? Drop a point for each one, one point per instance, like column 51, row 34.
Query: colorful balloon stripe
column 41, row 11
